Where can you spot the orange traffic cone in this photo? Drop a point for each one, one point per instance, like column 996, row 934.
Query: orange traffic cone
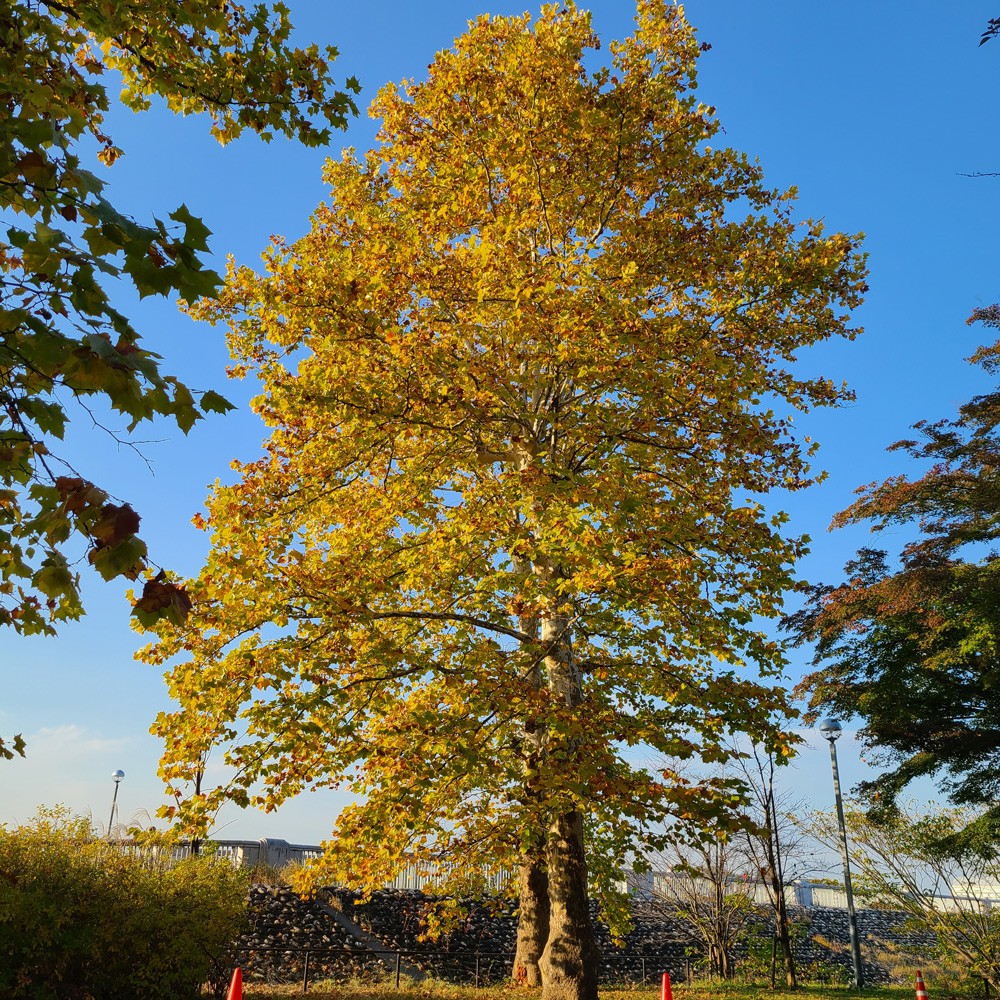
column 236, row 986
column 921, row 992
column 665, row 993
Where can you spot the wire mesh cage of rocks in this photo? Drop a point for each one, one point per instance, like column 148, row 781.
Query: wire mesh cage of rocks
column 386, row 934
column 287, row 932
column 622, row 968
column 398, row 919
column 276, row 967
column 466, row 968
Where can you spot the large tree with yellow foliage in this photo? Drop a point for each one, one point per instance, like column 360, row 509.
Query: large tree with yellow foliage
column 521, row 379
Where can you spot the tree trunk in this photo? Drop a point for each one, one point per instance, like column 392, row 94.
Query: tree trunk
column 532, row 922
column 722, row 934
column 778, row 886
column 195, row 848
column 569, row 961
column 720, row 962
column 533, row 879
column 785, row 940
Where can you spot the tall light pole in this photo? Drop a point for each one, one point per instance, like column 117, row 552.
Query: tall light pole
column 830, row 729
column 116, row 777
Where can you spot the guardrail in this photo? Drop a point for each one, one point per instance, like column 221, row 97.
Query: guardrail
column 276, row 853
column 650, row 967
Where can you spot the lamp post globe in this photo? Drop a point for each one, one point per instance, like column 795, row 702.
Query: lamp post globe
column 117, row 776
column 830, row 728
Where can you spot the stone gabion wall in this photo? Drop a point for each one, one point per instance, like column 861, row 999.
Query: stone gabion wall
column 396, row 918
column 281, row 919
column 827, row 940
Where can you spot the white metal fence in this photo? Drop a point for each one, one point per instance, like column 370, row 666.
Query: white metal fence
column 277, row 853
column 800, row 893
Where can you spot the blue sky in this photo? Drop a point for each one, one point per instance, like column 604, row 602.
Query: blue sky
column 873, row 110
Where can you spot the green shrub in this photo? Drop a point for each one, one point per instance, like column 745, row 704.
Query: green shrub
column 81, row 918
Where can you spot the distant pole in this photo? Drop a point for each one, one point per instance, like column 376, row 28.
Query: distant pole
column 116, row 777
column 831, row 731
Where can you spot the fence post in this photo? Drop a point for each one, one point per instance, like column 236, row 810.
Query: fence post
column 397, row 970
column 477, row 970
column 305, row 975
column 643, row 970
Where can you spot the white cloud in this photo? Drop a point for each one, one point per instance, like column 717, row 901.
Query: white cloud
column 71, row 765
column 71, row 742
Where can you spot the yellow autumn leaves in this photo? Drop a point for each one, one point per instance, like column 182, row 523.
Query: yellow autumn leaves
column 530, row 335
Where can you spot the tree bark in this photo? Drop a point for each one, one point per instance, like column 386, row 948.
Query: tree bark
column 780, row 909
column 569, row 961
column 785, row 940
column 195, row 847
column 533, row 879
column 532, row 922
column 722, row 931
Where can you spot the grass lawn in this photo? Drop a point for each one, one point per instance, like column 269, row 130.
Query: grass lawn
column 435, row 990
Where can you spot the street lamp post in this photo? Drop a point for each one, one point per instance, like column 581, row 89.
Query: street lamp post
column 116, row 777
column 830, row 729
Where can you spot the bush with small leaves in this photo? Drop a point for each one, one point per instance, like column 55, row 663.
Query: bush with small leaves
column 83, row 917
